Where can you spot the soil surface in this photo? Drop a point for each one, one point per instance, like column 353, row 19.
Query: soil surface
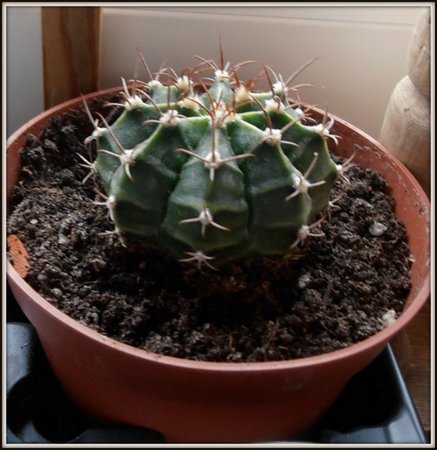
column 339, row 289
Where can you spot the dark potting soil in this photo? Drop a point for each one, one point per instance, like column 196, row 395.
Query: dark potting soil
column 339, row 289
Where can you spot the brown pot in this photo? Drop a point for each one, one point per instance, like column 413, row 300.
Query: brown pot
column 192, row 401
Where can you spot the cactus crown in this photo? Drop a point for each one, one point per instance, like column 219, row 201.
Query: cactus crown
column 213, row 173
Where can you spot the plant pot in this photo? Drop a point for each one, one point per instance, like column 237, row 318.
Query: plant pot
column 192, row 401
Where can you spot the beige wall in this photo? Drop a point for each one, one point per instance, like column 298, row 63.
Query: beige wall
column 361, row 49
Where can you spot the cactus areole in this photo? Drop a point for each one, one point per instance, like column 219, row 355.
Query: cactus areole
column 213, row 174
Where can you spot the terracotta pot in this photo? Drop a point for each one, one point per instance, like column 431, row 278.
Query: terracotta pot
column 190, row 401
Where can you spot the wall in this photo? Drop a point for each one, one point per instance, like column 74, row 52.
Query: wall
column 361, row 50
column 23, row 65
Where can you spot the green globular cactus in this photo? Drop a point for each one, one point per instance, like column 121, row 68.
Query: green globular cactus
column 213, row 174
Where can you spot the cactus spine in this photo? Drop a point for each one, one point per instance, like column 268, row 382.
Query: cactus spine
column 213, row 174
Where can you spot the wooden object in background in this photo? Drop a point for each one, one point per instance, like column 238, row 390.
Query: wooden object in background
column 406, row 130
column 406, row 126
column 71, row 52
column 418, row 57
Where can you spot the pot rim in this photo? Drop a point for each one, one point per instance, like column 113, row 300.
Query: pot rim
column 54, row 110
column 326, row 358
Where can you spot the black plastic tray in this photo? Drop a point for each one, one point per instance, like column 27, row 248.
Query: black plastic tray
column 374, row 408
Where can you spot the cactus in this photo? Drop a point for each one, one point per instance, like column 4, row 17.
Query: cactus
column 216, row 173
